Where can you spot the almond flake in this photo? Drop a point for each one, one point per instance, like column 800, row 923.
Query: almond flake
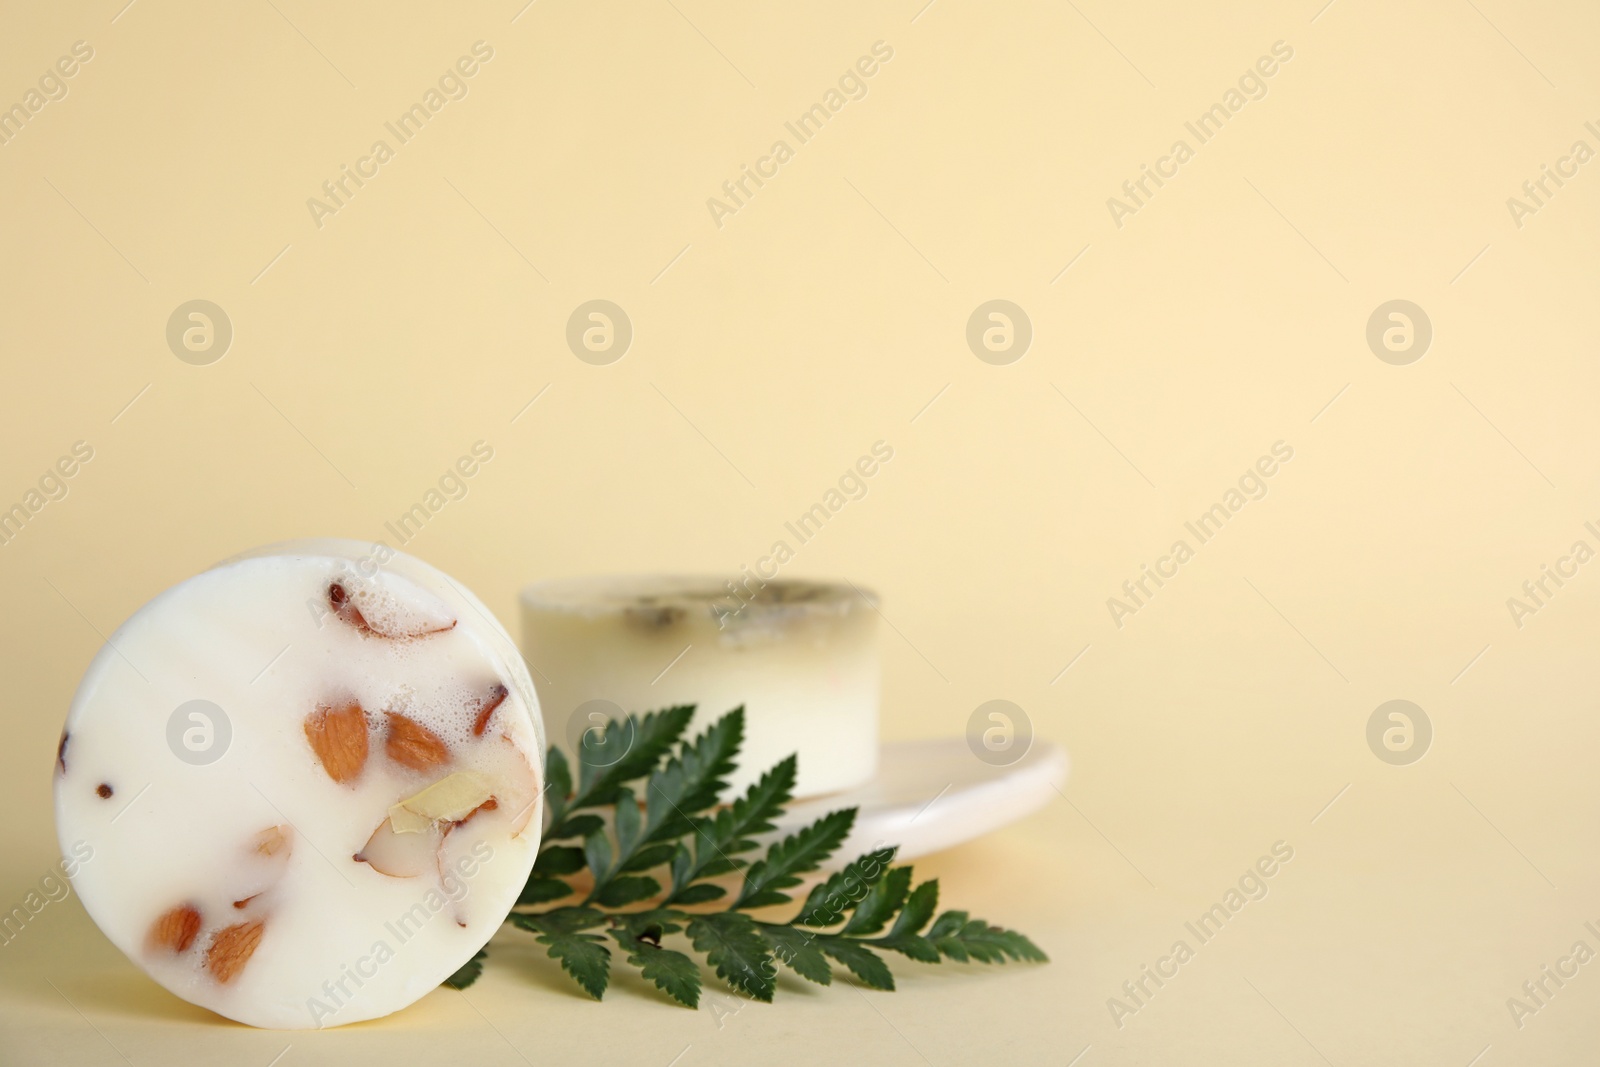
column 232, row 948
column 272, row 840
column 399, row 855
column 338, row 735
column 175, row 929
column 413, row 745
column 496, row 697
column 450, row 799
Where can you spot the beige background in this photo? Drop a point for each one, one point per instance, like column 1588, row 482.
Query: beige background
column 829, row 313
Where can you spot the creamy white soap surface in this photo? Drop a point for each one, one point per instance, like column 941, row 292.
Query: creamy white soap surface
column 198, row 829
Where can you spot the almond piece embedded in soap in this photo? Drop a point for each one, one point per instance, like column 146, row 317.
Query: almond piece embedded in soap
column 447, row 800
column 495, row 698
column 338, row 736
column 175, row 929
column 257, row 735
column 272, row 840
column 397, row 854
column 232, row 948
column 413, row 745
column 374, row 614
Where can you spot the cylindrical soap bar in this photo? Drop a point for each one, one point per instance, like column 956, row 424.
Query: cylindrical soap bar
column 308, row 782
column 800, row 656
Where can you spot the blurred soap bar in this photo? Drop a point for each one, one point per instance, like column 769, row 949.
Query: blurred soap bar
column 308, row 781
column 800, row 656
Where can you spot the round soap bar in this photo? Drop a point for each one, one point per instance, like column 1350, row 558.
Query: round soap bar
column 799, row 655
column 307, row 783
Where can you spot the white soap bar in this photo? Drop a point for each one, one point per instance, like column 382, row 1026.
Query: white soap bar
column 311, row 784
column 800, row 656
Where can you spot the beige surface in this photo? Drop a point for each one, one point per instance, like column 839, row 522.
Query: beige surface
column 1227, row 314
